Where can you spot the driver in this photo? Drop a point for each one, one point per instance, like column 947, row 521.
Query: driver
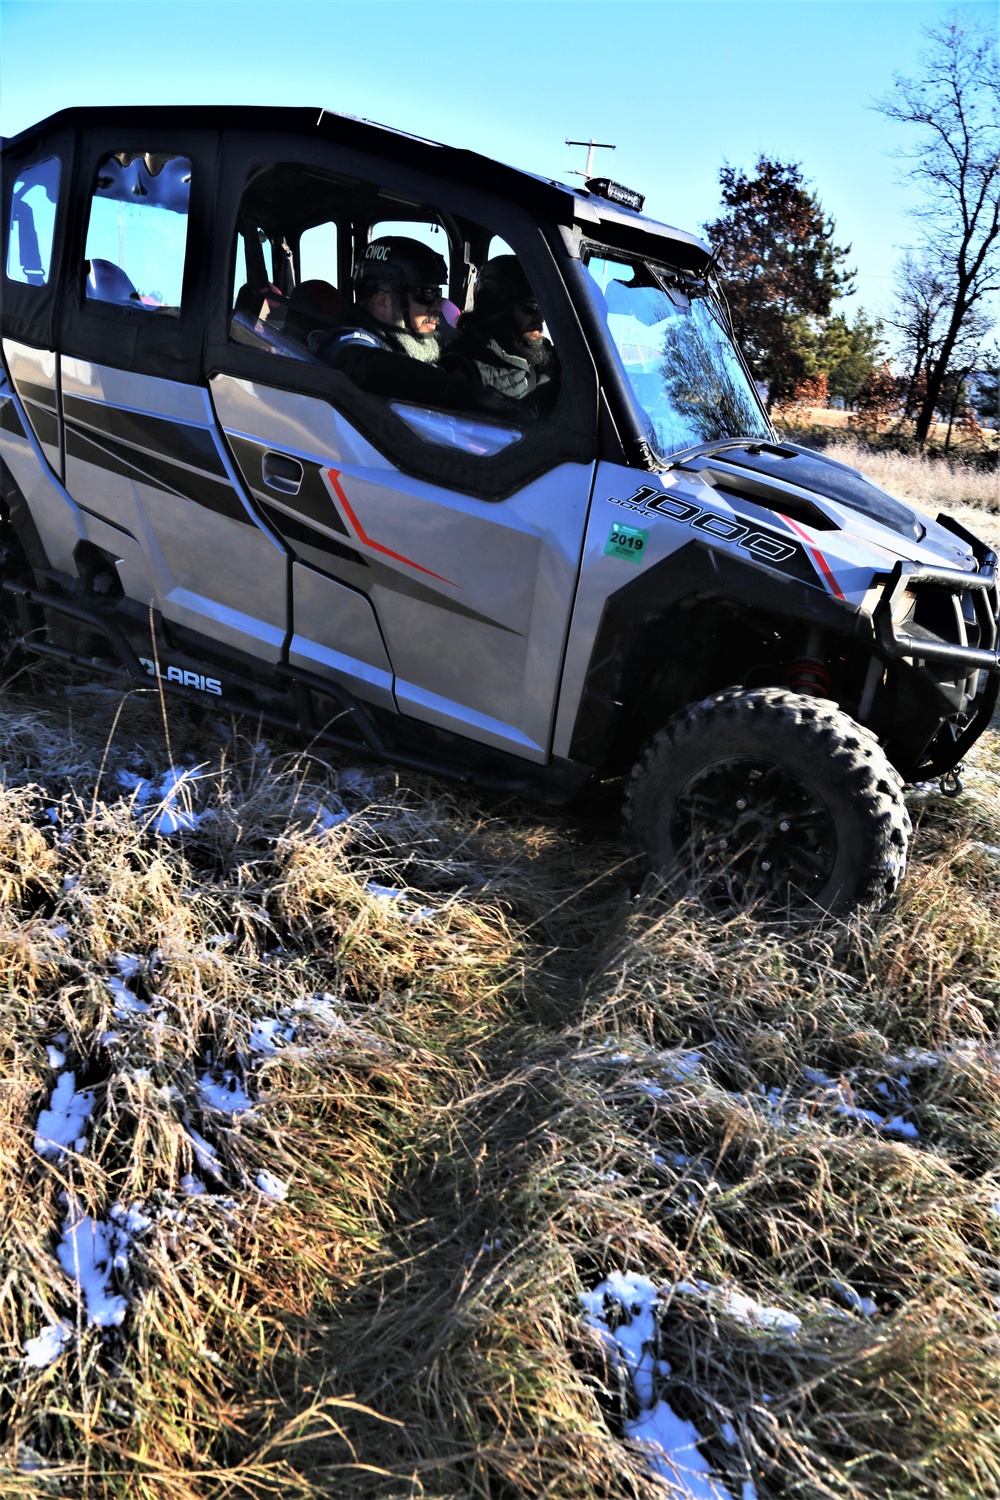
column 390, row 346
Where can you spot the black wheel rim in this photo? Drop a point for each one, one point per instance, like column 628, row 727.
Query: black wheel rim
column 753, row 833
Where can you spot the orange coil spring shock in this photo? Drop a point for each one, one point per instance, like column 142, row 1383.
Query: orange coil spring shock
column 807, row 674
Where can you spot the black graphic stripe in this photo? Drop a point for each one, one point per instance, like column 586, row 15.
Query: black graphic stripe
column 44, row 422
column 9, row 419
column 117, row 458
column 295, row 530
column 394, row 581
column 80, row 446
column 312, row 500
column 180, row 442
column 43, row 395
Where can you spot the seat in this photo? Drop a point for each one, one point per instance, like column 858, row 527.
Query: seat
column 248, row 302
column 264, row 318
column 107, row 282
column 313, row 306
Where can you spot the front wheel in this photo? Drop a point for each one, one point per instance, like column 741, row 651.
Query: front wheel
column 767, row 800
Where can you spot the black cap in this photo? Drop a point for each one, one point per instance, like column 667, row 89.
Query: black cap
column 500, row 284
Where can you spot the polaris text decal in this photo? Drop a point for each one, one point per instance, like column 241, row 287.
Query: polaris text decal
column 761, row 544
column 184, row 678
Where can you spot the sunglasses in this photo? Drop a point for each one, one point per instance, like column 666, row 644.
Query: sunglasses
column 424, row 294
column 530, row 307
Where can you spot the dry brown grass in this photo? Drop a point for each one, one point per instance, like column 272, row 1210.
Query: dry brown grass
column 497, row 1107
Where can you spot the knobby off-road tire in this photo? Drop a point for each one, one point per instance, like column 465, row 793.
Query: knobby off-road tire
column 770, row 801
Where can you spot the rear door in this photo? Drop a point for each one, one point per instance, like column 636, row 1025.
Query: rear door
column 142, row 451
column 36, row 187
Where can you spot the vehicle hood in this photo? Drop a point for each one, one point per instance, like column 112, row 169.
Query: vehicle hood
column 824, row 478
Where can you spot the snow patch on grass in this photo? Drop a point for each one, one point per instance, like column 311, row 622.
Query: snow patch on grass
column 44, row 1350
column 359, row 783
column 271, row 1186
column 166, row 797
column 92, row 1250
column 743, row 1309
column 126, row 1003
column 60, row 1128
column 270, row 1035
column 226, row 1095
column 624, row 1310
column 205, row 1153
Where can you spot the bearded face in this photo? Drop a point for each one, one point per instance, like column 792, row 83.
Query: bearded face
column 518, row 329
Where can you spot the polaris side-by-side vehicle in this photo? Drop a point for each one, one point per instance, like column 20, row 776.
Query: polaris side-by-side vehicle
column 643, row 581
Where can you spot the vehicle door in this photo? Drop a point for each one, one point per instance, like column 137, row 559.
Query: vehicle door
column 436, row 551
column 36, row 199
column 143, row 458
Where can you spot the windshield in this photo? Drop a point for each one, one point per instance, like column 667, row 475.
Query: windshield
column 679, row 358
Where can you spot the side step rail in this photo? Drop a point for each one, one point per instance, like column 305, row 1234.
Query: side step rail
column 304, row 685
column 26, row 596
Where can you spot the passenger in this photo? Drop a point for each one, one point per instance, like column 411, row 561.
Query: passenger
column 389, row 345
column 500, row 342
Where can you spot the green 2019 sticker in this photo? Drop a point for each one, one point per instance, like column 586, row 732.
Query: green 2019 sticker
column 625, row 541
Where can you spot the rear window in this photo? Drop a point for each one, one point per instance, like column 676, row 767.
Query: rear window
column 137, row 231
column 33, row 221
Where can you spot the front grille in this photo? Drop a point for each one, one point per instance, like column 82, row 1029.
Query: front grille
column 947, row 616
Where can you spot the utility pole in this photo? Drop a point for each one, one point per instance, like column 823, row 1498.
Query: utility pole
column 591, row 146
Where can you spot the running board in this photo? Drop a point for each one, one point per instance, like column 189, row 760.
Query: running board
column 304, row 687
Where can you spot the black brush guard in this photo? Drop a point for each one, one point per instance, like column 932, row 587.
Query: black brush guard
column 896, row 643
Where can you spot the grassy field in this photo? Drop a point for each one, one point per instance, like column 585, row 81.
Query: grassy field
column 395, row 1128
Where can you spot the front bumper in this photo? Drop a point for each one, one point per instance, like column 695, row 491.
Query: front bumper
column 981, row 587
column 970, row 606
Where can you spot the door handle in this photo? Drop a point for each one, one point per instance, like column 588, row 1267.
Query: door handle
column 282, row 473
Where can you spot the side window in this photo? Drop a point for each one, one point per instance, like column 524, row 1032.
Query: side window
column 423, row 308
column 240, row 272
column 137, row 231
column 32, row 222
column 318, row 252
column 428, row 233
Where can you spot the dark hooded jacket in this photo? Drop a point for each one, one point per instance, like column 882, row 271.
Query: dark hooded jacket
column 392, row 362
column 478, row 356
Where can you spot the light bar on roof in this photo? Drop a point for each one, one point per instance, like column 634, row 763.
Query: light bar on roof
column 616, row 192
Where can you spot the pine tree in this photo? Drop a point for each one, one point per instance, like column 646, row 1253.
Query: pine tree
column 782, row 270
column 848, row 353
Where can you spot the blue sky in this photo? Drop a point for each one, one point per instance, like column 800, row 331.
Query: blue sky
column 679, row 87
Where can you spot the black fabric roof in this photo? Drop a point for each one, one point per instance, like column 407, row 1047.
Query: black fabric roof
column 596, row 217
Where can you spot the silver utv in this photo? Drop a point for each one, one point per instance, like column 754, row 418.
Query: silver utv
column 645, row 583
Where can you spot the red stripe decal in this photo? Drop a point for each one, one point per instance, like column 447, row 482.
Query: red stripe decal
column 377, row 546
column 817, row 557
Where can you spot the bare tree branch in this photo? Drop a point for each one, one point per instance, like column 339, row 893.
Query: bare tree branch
column 955, row 105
